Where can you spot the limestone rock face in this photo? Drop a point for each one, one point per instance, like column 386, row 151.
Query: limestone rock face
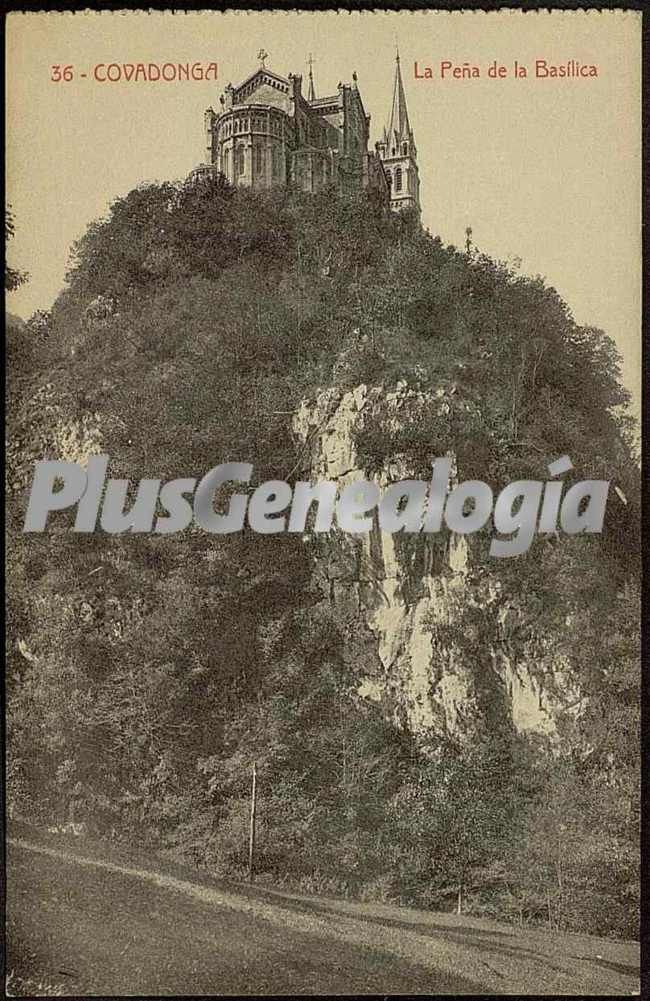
column 45, row 428
column 399, row 596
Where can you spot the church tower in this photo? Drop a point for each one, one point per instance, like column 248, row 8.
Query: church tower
column 398, row 152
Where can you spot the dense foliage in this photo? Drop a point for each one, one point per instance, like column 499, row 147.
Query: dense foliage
column 147, row 673
column 13, row 278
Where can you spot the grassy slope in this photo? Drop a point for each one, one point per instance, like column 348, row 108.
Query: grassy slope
column 129, row 926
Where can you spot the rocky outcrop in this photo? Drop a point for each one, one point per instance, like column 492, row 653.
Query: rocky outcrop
column 399, row 597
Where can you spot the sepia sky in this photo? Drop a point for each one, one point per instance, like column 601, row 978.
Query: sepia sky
column 545, row 170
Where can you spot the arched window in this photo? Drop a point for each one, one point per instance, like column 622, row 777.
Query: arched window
column 239, row 160
column 390, row 178
column 398, row 178
column 405, row 149
column 259, row 159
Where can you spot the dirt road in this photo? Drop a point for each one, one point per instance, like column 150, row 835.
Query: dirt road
column 92, row 926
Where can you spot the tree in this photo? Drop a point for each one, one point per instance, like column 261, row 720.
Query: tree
column 13, row 278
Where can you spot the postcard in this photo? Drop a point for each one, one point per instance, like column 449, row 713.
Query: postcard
column 323, row 502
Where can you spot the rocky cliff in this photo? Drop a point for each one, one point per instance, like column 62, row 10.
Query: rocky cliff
column 394, row 593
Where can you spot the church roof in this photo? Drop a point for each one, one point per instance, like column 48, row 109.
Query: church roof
column 399, row 119
column 325, row 100
column 248, row 85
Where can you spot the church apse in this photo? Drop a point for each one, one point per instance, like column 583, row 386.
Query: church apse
column 267, row 134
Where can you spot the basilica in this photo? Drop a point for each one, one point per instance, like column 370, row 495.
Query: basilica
column 268, row 133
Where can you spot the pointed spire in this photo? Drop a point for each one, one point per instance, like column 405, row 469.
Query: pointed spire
column 399, row 119
column 311, row 93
